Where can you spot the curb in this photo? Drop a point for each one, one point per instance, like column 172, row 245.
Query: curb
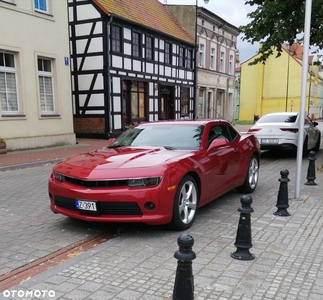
column 31, row 164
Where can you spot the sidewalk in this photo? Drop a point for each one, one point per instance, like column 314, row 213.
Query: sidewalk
column 27, row 158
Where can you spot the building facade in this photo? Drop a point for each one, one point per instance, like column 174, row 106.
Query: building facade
column 276, row 85
column 131, row 62
column 216, row 45
column 35, row 84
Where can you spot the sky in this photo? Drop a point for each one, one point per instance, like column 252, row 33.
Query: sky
column 233, row 11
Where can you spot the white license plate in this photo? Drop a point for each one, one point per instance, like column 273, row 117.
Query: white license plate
column 86, row 205
column 269, row 141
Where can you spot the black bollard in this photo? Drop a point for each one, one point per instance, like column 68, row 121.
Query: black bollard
column 243, row 239
column 184, row 281
column 311, row 169
column 282, row 197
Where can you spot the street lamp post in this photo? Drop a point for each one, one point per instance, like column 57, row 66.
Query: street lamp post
column 287, row 83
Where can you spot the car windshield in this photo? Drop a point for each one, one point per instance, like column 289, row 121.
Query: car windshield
column 279, row 118
column 169, row 136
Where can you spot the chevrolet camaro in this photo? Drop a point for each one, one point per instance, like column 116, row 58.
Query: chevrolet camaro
column 156, row 173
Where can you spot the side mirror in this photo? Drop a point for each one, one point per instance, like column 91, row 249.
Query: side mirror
column 217, row 143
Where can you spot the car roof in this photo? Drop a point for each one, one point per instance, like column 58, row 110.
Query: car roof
column 181, row 122
column 283, row 113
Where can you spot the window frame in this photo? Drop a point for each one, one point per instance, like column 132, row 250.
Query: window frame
column 222, row 63
column 10, row 70
column 201, row 56
column 212, row 62
column 188, row 59
column 136, row 44
column 168, row 53
column 149, row 48
column 45, row 74
column 116, row 36
column 181, row 56
column 231, row 65
column 39, row 3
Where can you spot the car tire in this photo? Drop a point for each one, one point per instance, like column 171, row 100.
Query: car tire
column 252, row 176
column 318, row 144
column 185, row 204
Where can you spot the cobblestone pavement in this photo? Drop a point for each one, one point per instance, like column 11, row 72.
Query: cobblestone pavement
column 140, row 263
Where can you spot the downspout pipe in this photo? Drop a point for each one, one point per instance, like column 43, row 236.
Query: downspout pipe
column 108, row 72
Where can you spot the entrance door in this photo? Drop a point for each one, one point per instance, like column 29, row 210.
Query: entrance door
column 166, row 103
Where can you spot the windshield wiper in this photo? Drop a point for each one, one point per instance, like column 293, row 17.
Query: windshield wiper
column 116, row 146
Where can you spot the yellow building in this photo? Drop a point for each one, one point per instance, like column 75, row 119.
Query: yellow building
column 276, row 85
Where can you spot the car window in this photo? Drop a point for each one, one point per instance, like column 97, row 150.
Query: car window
column 219, row 132
column 175, row 136
column 279, row 118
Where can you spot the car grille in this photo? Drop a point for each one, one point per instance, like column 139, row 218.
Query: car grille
column 104, row 208
column 96, row 184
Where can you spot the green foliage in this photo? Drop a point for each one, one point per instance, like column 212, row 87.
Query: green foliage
column 275, row 22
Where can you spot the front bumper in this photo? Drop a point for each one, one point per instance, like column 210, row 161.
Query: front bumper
column 152, row 205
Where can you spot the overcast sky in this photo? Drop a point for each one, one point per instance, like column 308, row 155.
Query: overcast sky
column 234, row 12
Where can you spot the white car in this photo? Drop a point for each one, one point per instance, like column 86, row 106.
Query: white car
column 281, row 130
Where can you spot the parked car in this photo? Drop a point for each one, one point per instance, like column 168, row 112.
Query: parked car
column 156, row 173
column 281, row 130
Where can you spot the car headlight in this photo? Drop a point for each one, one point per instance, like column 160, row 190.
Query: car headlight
column 58, row 176
column 141, row 182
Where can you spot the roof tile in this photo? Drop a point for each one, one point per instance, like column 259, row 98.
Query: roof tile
column 150, row 13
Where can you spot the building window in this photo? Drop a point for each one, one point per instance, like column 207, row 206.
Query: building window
column 41, row 5
column 222, row 61
column 8, row 84
column 189, row 59
column 116, row 38
column 212, row 62
column 46, row 93
column 231, row 64
column 185, row 102
column 149, row 48
column 137, row 101
column 168, row 53
column 181, row 60
column 201, row 51
column 136, row 44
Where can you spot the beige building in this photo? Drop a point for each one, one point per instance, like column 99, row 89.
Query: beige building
column 35, row 81
column 216, row 43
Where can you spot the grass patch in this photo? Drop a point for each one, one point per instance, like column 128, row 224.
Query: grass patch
column 244, row 122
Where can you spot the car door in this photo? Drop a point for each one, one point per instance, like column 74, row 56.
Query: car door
column 222, row 162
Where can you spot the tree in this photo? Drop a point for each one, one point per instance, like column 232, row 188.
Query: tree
column 275, row 22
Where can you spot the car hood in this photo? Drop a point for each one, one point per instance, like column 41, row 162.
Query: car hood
column 125, row 158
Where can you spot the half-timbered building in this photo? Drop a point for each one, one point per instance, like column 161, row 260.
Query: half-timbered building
column 131, row 62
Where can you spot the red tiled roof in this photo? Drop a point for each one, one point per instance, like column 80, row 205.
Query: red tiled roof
column 150, row 13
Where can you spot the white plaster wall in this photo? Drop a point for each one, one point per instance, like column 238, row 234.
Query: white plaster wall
column 37, row 34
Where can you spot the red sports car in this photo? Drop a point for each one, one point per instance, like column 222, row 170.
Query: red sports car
column 156, row 173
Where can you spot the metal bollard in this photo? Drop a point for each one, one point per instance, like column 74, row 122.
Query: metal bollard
column 311, row 169
column 184, row 281
column 243, row 239
column 282, row 197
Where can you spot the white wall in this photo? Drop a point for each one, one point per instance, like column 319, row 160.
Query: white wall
column 30, row 34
